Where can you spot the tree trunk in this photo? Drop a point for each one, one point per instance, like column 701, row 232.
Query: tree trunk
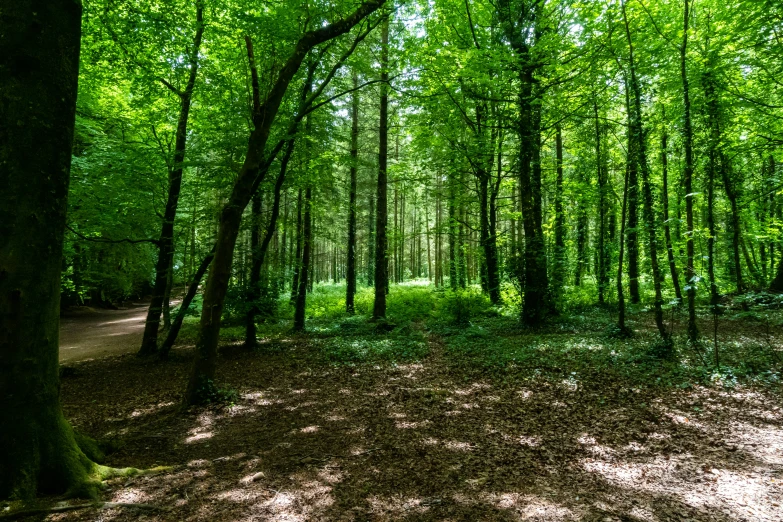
column 260, row 250
column 381, row 258
column 558, row 274
column 622, row 329
column 307, row 232
column 173, row 332
column 603, row 275
column 687, row 179
column 39, row 70
column 253, row 291
column 640, row 158
column 666, row 227
column 350, row 285
column 203, row 373
column 298, row 252
column 371, row 241
column 632, row 238
column 149, row 342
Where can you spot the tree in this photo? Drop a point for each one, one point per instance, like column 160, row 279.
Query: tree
column 350, row 287
column 39, row 87
column 247, row 181
column 381, row 281
column 149, row 343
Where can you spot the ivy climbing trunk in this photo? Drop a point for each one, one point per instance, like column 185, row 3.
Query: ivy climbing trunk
column 304, row 272
column 666, row 227
column 558, row 274
column 39, row 70
column 687, row 179
column 640, row 158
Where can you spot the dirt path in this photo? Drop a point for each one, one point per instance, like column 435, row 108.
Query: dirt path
column 92, row 333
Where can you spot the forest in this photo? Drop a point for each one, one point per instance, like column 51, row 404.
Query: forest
column 391, row 260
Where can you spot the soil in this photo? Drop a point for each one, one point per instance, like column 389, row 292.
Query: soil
column 307, row 440
column 90, row 333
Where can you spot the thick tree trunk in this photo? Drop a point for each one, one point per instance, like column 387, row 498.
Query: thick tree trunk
column 603, row 265
column 381, row 260
column 535, row 304
column 559, row 271
column 149, row 342
column 350, row 285
column 622, row 329
column 632, row 238
column 39, row 70
column 371, row 241
column 253, row 290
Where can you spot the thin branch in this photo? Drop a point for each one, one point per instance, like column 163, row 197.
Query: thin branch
column 113, row 241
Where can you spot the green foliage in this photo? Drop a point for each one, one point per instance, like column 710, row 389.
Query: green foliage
column 459, row 307
column 209, row 394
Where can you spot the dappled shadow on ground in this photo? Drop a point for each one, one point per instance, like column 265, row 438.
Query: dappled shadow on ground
column 423, row 441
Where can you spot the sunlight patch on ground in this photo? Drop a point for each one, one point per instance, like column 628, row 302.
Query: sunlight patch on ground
column 763, row 442
column 530, row 507
column 122, row 321
column 405, row 425
column 529, row 441
column 151, row 409
column 203, row 431
column 749, row 495
column 397, row 505
column 131, row 495
column 455, row 445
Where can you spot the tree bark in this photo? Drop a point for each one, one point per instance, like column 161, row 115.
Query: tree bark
column 39, row 70
column 687, row 138
column 173, row 332
column 666, row 228
column 203, row 372
column 149, row 342
column 558, row 275
column 304, row 273
column 350, row 275
column 381, row 258
column 640, row 158
column 259, row 252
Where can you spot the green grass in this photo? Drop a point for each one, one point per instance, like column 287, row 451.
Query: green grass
column 488, row 340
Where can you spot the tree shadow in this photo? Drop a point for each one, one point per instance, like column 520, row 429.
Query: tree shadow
column 423, row 441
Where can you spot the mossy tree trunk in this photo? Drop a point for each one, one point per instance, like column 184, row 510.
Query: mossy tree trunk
column 39, row 66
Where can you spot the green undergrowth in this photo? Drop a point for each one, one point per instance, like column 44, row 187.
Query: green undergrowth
column 483, row 339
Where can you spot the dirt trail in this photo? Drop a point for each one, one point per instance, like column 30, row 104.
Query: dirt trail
column 91, row 333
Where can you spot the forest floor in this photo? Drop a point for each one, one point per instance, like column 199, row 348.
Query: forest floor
column 482, row 421
column 92, row 333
